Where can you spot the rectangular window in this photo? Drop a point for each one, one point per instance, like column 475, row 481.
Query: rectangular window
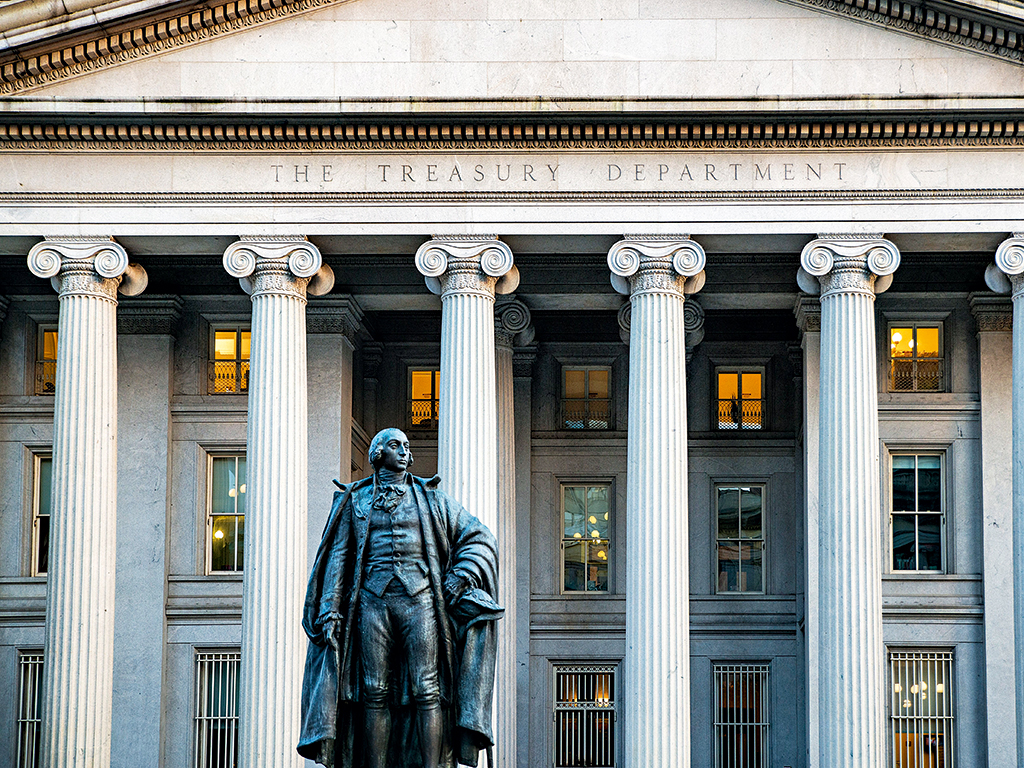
column 585, row 716
column 740, row 398
column 917, row 521
column 740, row 538
column 226, row 516
column 30, row 715
column 41, row 508
column 46, row 360
column 915, row 358
column 216, row 719
column 586, row 398
column 586, row 537
column 741, row 715
column 424, row 398
column 229, row 360
column 921, row 709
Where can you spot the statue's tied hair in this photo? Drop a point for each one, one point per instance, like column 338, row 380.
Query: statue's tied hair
column 377, row 446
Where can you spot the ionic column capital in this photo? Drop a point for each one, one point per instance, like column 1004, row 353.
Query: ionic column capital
column 286, row 265
column 512, row 323
column 860, row 263
column 1007, row 274
column 467, row 264
column 657, row 264
column 87, row 266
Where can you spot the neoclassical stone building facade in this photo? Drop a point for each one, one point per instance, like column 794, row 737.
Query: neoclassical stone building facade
column 706, row 310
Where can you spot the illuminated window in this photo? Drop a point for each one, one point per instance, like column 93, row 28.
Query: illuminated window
column 226, row 518
column 740, row 538
column 921, row 709
column 424, row 398
column 740, row 398
column 915, row 358
column 917, row 521
column 586, row 398
column 216, row 708
column 30, row 710
column 41, row 508
column 585, row 716
column 229, row 361
column 46, row 360
column 741, row 716
column 586, row 537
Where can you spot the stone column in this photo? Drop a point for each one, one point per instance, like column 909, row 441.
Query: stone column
column 466, row 273
column 656, row 273
column 808, row 320
column 79, row 648
column 848, row 272
column 278, row 273
column 511, row 323
column 1009, row 278
column 995, row 365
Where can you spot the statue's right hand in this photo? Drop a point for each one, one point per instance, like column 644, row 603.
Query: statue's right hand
column 332, row 629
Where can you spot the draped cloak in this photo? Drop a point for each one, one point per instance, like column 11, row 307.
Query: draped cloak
column 454, row 541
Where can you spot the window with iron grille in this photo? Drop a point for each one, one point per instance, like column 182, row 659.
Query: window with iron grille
column 586, row 537
column 424, row 397
column 46, row 360
column 921, row 708
column 229, row 360
column 740, row 538
column 740, row 398
column 216, row 718
column 585, row 716
column 42, row 506
column 741, row 715
column 30, row 716
column 586, row 398
column 226, row 514
column 915, row 358
column 917, row 521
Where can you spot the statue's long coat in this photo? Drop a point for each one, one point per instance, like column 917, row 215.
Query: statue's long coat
column 332, row 722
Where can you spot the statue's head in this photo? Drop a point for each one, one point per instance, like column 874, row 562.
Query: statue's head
column 390, row 448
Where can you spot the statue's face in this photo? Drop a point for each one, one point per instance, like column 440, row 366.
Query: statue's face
column 396, row 454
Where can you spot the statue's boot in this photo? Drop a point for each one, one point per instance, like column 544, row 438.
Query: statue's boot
column 430, row 723
column 378, row 732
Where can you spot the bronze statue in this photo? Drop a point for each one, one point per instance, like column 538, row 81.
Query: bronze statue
column 400, row 615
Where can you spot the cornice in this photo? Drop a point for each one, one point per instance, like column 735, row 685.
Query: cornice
column 123, row 133
column 959, row 24
column 63, row 58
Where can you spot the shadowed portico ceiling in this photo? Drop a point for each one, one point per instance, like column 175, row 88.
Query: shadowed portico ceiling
column 44, row 41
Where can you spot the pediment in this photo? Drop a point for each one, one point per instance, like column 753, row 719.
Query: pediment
column 338, row 50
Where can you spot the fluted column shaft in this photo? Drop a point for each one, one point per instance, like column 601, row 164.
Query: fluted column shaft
column 465, row 273
column 1010, row 261
column 277, row 275
column 657, row 662
column 78, row 653
column 851, row 653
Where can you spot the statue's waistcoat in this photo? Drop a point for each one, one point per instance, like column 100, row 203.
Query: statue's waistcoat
column 394, row 549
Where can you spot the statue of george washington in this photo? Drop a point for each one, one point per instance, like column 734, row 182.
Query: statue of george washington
column 400, row 615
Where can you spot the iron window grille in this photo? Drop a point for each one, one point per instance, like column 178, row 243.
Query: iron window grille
column 584, row 716
column 917, row 521
column 741, row 715
column 921, row 708
column 42, row 506
column 225, row 519
column 740, row 398
column 30, row 716
column 228, row 372
column 424, row 398
column 586, row 398
column 216, row 709
column 586, row 537
column 915, row 358
column 46, row 361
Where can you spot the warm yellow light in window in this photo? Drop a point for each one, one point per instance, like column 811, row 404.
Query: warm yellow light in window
column 592, row 519
column 927, row 342
column 595, row 534
column 577, row 535
column 751, row 386
column 728, row 386
column 224, row 347
column 422, row 382
column 902, row 342
column 231, row 492
column 49, row 345
column 914, row 689
column 598, row 381
column 246, row 344
column 940, row 688
column 218, row 534
column 575, row 384
column 242, row 489
column 605, row 515
column 897, row 688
